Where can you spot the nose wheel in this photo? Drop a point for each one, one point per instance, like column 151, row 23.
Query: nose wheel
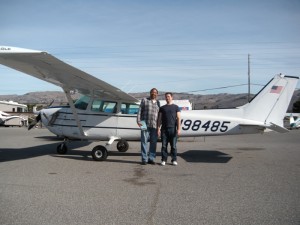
column 62, row 149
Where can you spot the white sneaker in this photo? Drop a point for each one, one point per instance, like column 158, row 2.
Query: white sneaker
column 174, row 163
column 163, row 163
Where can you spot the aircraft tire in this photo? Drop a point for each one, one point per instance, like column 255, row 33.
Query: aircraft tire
column 62, row 148
column 99, row 153
column 122, row 146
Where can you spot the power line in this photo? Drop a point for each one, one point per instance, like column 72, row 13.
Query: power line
column 223, row 87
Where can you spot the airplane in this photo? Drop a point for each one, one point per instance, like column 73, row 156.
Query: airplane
column 4, row 117
column 105, row 113
column 294, row 124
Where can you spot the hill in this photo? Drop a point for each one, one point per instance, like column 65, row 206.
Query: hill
column 211, row 101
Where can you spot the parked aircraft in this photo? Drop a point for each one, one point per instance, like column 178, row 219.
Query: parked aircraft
column 105, row 113
column 294, row 124
column 5, row 117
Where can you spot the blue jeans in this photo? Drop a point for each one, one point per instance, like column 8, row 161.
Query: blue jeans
column 169, row 135
column 151, row 135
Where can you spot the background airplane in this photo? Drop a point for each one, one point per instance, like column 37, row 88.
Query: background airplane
column 294, row 123
column 5, row 117
column 105, row 113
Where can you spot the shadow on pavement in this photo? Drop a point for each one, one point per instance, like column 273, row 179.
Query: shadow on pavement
column 11, row 154
column 205, row 156
column 191, row 156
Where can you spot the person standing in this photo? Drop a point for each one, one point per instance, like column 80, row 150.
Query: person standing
column 168, row 126
column 147, row 120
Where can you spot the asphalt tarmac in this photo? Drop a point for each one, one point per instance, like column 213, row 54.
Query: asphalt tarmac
column 246, row 179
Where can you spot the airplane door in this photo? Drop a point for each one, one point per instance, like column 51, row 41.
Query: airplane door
column 127, row 126
column 102, row 121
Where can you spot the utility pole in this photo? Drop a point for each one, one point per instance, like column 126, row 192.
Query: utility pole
column 248, row 77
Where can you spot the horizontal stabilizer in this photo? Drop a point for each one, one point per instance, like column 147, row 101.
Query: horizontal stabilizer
column 277, row 128
column 262, row 127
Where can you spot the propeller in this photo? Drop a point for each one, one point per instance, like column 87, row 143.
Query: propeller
column 38, row 118
column 35, row 121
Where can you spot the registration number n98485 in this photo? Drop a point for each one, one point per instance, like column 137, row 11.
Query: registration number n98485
column 213, row 126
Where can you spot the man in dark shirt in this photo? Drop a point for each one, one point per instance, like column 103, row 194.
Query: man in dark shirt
column 168, row 126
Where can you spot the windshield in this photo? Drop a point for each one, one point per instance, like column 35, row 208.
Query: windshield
column 82, row 102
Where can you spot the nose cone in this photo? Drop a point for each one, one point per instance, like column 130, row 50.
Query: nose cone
column 49, row 116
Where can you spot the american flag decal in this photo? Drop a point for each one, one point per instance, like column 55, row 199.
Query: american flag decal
column 276, row 89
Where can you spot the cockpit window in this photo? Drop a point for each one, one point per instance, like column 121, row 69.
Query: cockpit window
column 82, row 103
column 129, row 108
column 104, row 106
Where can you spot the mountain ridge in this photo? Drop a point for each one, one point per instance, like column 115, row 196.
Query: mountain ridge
column 210, row 101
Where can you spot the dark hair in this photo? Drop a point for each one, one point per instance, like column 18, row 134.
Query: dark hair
column 154, row 89
column 169, row 93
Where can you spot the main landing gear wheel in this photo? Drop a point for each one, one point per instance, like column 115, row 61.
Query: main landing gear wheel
column 99, row 153
column 62, row 148
column 122, row 146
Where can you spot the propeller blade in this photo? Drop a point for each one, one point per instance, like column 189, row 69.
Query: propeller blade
column 50, row 103
column 34, row 122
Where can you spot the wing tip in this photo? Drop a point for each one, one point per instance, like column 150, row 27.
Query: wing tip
column 9, row 49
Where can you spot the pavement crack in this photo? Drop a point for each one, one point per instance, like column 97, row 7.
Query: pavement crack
column 153, row 206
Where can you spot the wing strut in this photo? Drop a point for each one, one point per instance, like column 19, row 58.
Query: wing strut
column 74, row 111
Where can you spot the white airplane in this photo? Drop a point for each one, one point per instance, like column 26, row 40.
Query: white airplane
column 105, row 113
column 294, row 124
column 4, row 117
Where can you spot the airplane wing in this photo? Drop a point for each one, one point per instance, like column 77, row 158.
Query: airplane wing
column 48, row 68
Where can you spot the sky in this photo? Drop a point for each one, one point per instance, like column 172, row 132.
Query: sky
column 200, row 46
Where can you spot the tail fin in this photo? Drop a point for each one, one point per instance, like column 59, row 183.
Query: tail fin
column 270, row 104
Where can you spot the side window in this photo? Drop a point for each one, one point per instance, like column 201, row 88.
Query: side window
column 129, row 108
column 109, row 107
column 96, row 105
column 104, row 106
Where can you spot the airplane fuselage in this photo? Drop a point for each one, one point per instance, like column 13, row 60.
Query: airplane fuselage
column 103, row 126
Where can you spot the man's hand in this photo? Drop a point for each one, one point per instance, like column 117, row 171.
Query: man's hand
column 158, row 132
